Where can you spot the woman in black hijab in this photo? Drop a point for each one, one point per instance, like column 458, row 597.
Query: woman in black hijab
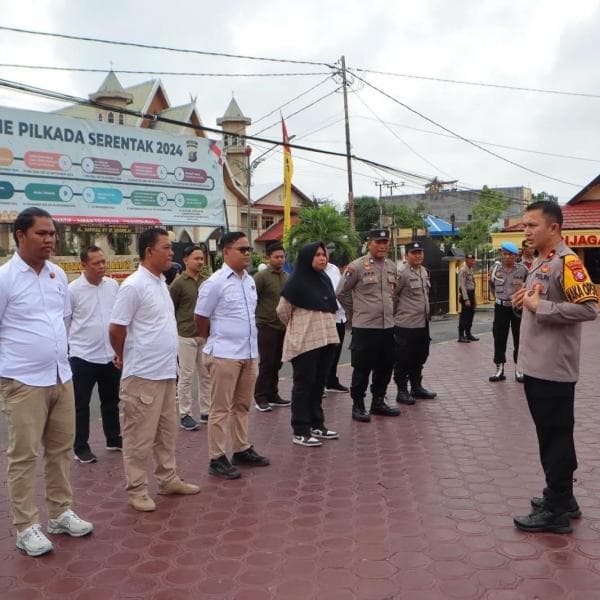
column 307, row 308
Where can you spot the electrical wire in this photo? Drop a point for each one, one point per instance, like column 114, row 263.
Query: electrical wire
column 464, row 139
column 174, row 73
column 166, row 48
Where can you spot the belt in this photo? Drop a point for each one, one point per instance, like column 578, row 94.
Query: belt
column 503, row 302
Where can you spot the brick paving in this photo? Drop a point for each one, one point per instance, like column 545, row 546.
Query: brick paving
column 414, row 508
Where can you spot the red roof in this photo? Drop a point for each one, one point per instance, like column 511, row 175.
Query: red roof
column 275, row 232
column 583, row 215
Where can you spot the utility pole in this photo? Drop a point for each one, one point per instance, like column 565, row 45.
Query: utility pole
column 348, row 148
column 392, row 185
column 381, row 184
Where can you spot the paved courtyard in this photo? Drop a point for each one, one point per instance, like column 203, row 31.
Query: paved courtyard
column 414, row 508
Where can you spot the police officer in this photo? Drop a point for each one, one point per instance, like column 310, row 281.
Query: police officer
column 506, row 278
column 365, row 293
column 411, row 326
column 558, row 296
column 466, row 283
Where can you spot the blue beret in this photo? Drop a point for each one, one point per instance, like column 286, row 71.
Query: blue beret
column 509, row 247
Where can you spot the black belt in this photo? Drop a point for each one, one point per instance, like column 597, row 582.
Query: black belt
column 503, row 302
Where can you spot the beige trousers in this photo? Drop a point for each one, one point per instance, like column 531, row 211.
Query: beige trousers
column 231, row 396
column 37, row 416
column 192, row 366
column 149, row 427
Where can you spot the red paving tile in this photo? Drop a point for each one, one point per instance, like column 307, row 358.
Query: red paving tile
column 415, row 508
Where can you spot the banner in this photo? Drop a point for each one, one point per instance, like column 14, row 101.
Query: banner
column 288, row 171
column 90, row 172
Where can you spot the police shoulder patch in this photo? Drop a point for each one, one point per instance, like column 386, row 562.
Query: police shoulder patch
column 577, row 284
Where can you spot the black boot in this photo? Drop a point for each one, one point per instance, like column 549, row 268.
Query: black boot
column 461, row 337
column 403, row 397
column 359, row 412
column 499, row 374
column 543, row 520
column 418, row 391
column 471, row 337
column 379, row 407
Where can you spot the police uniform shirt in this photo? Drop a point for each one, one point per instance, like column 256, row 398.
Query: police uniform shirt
column 229, row 301
column 411, row 297
column 365, row 292
column 504, row 282
column 33, row 336
column 550, row 337
column 466, row 280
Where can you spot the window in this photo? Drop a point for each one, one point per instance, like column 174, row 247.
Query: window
column 234, row 140
column 267, row 221
column 121, row 119
column 225, row 141
column 254, row 221
column 100, row 117
column 111, row 117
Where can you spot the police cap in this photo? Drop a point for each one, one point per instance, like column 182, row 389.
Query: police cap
column 414, row 247
column 509, row 247
column 379, row 234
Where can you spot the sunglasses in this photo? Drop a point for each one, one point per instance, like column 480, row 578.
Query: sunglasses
column 244, row 249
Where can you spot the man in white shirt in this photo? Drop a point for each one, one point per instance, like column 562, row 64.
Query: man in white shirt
column 332, row 271
column 36, row 393
column 143, row 334
column 90, row 353
column 225, row 316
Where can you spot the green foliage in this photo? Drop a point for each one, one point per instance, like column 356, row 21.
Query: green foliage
column 476, row 233
column 321, row 223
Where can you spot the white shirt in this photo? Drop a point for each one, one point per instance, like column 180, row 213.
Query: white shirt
column 229, row 301
column 33, row 336
column 144, row 306
column 91, row 306
column 334, row 275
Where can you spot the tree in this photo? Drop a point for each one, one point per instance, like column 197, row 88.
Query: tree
column 475, row 234
column 544, row 196
column 321, row 223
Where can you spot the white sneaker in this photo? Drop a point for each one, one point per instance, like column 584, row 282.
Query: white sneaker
column 306, row 440
column 325, row 434
column 33, row 541
column 69, row 523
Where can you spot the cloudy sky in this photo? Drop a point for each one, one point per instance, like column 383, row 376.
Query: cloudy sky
column 541, row 44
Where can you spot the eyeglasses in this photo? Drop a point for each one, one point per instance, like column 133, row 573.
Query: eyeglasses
column 244, row 249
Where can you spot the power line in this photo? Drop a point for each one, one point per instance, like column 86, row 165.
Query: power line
column 438, row 133
column 175, row 73
column 464, row 139
column 167, row 48
column 482, row 84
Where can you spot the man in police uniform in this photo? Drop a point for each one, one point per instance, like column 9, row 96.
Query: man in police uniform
column 506, row 278
column 466, row 283
column 365, row 293
column 557, row 297
column 411, row 326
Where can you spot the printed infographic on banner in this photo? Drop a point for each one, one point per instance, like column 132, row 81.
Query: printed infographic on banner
column 90, row 172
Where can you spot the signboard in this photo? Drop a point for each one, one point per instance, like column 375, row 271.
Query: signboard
column 90, row 172
column 579, row 240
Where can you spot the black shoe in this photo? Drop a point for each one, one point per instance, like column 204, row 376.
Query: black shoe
column 250, row 458
column 263, row 406
column 85, row 456
column 379, row 407
column 421, row 393
column 221, row 467
column 542, row 521
column 573, row 510
column 499, row 374
column 279, row 402
column 188, row 423
column 403, row 397
column 360, row 414
column 115, row 445
column 471, row 337
column 337, row 387
column 203, row 418
column 463, row 340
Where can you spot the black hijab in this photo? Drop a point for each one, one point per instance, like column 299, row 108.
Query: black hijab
column 307, row 288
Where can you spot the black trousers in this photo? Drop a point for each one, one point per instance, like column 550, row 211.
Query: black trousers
column 270, row 347
column 332, row 378
column 371, row 351
column 310, row 372
column 465, row 320
column 412, row 351
column 551, row 404
column 85, row 376
column 505, row 318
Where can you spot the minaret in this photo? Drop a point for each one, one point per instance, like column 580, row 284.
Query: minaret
column 234, row 125
column 111, row 92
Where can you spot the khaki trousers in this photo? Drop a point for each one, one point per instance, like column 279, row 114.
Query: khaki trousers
column 192, row 366
column 149, row 427
column 35, row 416
column 231, row 396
